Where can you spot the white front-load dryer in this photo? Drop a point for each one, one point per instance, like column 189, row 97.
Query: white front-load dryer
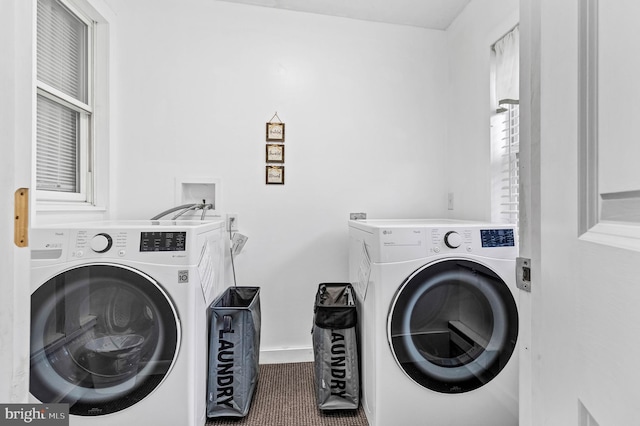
column 438, row 321
column 119, row 326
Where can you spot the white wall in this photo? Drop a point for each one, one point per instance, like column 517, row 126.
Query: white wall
column 469, row 41
column 363, row 103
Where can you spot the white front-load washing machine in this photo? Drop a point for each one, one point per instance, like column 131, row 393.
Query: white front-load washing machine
column 119, row 319
column 438, row 321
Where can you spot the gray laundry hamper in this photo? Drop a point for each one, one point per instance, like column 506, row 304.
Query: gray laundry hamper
column 234, row 350
column 335, row 347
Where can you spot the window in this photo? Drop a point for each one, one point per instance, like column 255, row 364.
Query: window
column 505, row 128
column 64, row 113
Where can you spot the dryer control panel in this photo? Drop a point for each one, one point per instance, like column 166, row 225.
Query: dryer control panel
column 498, row 237
column 400, row 240
column 499, row 242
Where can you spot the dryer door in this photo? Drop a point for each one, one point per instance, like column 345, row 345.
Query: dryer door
column 453, row 326
column 102, row 338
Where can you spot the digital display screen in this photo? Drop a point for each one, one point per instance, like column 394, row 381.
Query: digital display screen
column 497, row 238
column 163, row 241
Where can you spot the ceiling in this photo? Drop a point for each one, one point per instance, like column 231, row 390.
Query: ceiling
column 432, row 14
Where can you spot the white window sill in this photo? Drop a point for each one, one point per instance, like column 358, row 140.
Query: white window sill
column 70, row 207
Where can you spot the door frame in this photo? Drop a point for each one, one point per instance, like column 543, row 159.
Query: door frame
column 529, row 190
column 17, row 73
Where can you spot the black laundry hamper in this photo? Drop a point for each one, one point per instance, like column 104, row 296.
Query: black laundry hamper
column 335, row 347
column 234, row 351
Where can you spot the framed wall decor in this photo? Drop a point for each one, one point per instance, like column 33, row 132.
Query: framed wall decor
column 275, row 132
column 275, row 153
column 274, row 175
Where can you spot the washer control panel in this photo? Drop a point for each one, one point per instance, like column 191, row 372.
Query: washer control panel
column 452, row 239
column 170, row 245
column 163, row 241
column 101, row 243
column 88, row 242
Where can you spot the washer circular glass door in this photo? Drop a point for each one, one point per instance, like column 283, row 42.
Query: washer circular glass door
column 102, row 338
column 453, row 325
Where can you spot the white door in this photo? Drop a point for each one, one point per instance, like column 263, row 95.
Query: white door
column 15, row 172
column 582, row 224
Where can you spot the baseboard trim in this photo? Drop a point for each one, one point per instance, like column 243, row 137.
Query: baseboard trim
column 286, row 355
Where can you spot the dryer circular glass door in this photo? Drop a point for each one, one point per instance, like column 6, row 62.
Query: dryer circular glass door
column 453, row 325
column 102, row 338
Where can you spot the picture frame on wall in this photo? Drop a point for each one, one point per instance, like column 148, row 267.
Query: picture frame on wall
column 274, row 153
column 274, row 175
column 275, row 132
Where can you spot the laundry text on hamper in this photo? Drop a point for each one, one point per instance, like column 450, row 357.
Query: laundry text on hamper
column 338, row 365
column 224, row 395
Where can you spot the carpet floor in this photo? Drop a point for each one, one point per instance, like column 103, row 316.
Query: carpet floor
column 285, row 396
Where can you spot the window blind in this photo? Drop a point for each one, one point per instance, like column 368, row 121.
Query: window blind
column 511, row 163
column 62, row 49
column 57, row 147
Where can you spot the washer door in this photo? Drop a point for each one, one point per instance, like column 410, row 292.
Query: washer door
column 453, row 326
column 102, row 338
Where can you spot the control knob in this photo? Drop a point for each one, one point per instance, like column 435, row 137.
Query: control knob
column 452, row 239
column 101, row 243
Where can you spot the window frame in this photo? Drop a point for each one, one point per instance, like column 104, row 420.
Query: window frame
column 504, row 153
column 86, row 130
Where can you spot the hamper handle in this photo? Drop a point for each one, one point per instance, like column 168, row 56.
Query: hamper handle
column 226, row 324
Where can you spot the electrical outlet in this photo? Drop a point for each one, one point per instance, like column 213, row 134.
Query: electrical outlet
column 232, row 222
